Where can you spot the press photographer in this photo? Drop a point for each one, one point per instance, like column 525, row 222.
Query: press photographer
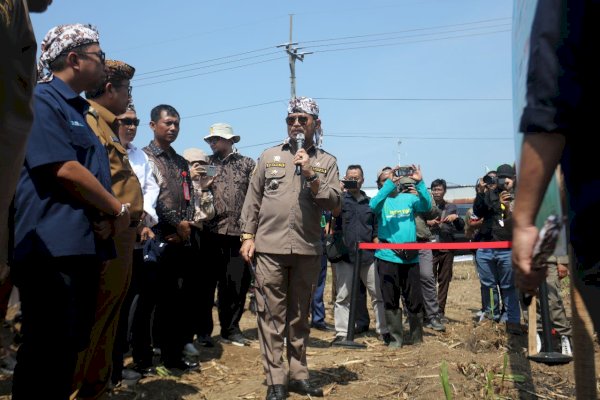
column 494, row 203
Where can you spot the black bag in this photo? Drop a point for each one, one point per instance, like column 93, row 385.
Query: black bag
column 335, row 248
column 404, row 254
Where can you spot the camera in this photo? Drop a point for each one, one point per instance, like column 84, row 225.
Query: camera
column 490, row 180
column 403, row 187
column 350, row 184
column 404, row 171
column 211, row 170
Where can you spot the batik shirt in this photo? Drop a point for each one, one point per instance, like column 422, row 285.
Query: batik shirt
column 171, row 171
column 229, row 190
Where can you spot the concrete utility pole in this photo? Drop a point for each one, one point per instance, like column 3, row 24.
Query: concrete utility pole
column 293, row 55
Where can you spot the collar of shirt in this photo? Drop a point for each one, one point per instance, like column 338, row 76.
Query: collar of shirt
column 157, row 151
column 105, row 114
column 363, row 197
column 310, row 151
column 67, row 93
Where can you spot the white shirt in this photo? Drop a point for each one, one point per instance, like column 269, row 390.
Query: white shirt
column 141, row 166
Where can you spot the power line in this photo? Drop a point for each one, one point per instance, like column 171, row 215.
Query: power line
column 170, row 69
column 234, row 109
column 407, row 30
column 205, row 66
column 410, row 42
column 207, row 61
column 406, row 36
column 411, row 99
column 210, row 72
column 401, row 136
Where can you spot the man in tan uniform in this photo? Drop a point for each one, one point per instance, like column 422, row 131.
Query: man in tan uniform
column 281, row 224
column 109, row 100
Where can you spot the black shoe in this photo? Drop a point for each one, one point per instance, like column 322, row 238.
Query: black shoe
column 183, row 365
column 276, row 392
column 361, row 329
column 237, row 339
column 443, row 319
column 387, row 338
column 338, row 339
column 145, row 370
column 303, row 387
column 205, row 341
column 325, row 327
column 435, row 324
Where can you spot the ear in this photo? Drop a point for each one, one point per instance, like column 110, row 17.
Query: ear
column 317, row 123
column 108, row 88
column 73, row 60
column 152, row 125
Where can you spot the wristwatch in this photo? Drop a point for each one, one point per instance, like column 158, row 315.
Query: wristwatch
column 124, row 210
column 246, row 236
column 311, row 179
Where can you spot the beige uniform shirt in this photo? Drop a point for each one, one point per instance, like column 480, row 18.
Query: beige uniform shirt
column 280, row 208
column 125, row 183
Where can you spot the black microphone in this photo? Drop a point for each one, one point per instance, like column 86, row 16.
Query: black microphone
column 299, row 145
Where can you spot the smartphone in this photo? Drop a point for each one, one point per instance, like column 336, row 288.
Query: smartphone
column 405, row 171
column 350, row 184
column 211, row 170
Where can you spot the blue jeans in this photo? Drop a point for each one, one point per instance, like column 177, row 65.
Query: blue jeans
column 495, row 268
column 317, row 306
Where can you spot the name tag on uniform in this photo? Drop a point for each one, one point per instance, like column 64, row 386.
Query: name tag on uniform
column 276, row 164
column 318, row 169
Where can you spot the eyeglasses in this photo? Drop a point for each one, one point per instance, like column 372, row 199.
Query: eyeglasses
column 213, row 139
column 291, row 119
column 129, row 89
column 129, row 121
column 100, row 54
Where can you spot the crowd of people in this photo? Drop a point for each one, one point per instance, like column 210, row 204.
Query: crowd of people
column 101, row 228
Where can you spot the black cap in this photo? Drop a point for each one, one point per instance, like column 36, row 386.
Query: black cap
column 505, row 171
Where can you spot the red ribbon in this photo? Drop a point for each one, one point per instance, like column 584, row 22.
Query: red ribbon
column 436, row 245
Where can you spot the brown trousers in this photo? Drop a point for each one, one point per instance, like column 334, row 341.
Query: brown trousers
column 442, row 268
column 287, row 283
column 94, row 365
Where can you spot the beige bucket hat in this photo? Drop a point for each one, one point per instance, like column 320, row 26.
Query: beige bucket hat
column 222, row 130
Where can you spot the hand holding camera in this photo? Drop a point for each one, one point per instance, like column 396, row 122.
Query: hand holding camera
column 412, row 171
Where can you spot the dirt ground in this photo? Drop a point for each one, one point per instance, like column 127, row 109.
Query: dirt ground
column 474, row 355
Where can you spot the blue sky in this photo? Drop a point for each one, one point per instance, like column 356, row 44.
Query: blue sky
column 432, row 74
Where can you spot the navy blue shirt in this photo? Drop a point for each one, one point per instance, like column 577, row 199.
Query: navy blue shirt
column 358, row 224
column 49, row 222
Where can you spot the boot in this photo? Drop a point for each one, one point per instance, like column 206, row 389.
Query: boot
column 415, row 323
column 393, row 319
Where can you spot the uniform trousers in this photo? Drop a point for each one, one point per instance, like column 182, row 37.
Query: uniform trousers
column 400, row 279
column 285, row 284
column 428, row 283
column 94, row 365
column 369, row 276
column 58, row 301
column 442, row 266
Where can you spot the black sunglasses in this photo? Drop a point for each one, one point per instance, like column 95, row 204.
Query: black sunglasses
column 129, row 89
column 129, row 121
column 101, row 55
column 290, row 120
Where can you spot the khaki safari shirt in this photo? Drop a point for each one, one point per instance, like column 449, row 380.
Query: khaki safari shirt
column 280, row 208
column 125, row 184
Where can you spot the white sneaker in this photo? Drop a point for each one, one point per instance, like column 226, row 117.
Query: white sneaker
column 190, row 350
column 565, row 345
column 538, row 342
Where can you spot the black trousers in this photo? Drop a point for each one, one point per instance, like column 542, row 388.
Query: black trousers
column 231, row 275
column 161, row 309
column 400, row 279
column 58, row 302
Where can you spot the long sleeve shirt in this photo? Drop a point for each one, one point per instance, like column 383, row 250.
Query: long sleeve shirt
column 171, row 171
column 396, row 216
column 280, row 208
column 141, row 166
column 229, row 190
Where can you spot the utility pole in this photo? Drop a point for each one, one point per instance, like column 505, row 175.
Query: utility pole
column 399, row 143
column 293, row 55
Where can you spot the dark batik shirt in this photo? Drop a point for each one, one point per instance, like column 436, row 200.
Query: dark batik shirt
column 171, row 171
column 229, row 191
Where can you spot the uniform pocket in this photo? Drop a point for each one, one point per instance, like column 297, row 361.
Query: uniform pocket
column 273, row 178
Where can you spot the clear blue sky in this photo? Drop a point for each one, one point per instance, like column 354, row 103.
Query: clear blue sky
column 424, row 57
